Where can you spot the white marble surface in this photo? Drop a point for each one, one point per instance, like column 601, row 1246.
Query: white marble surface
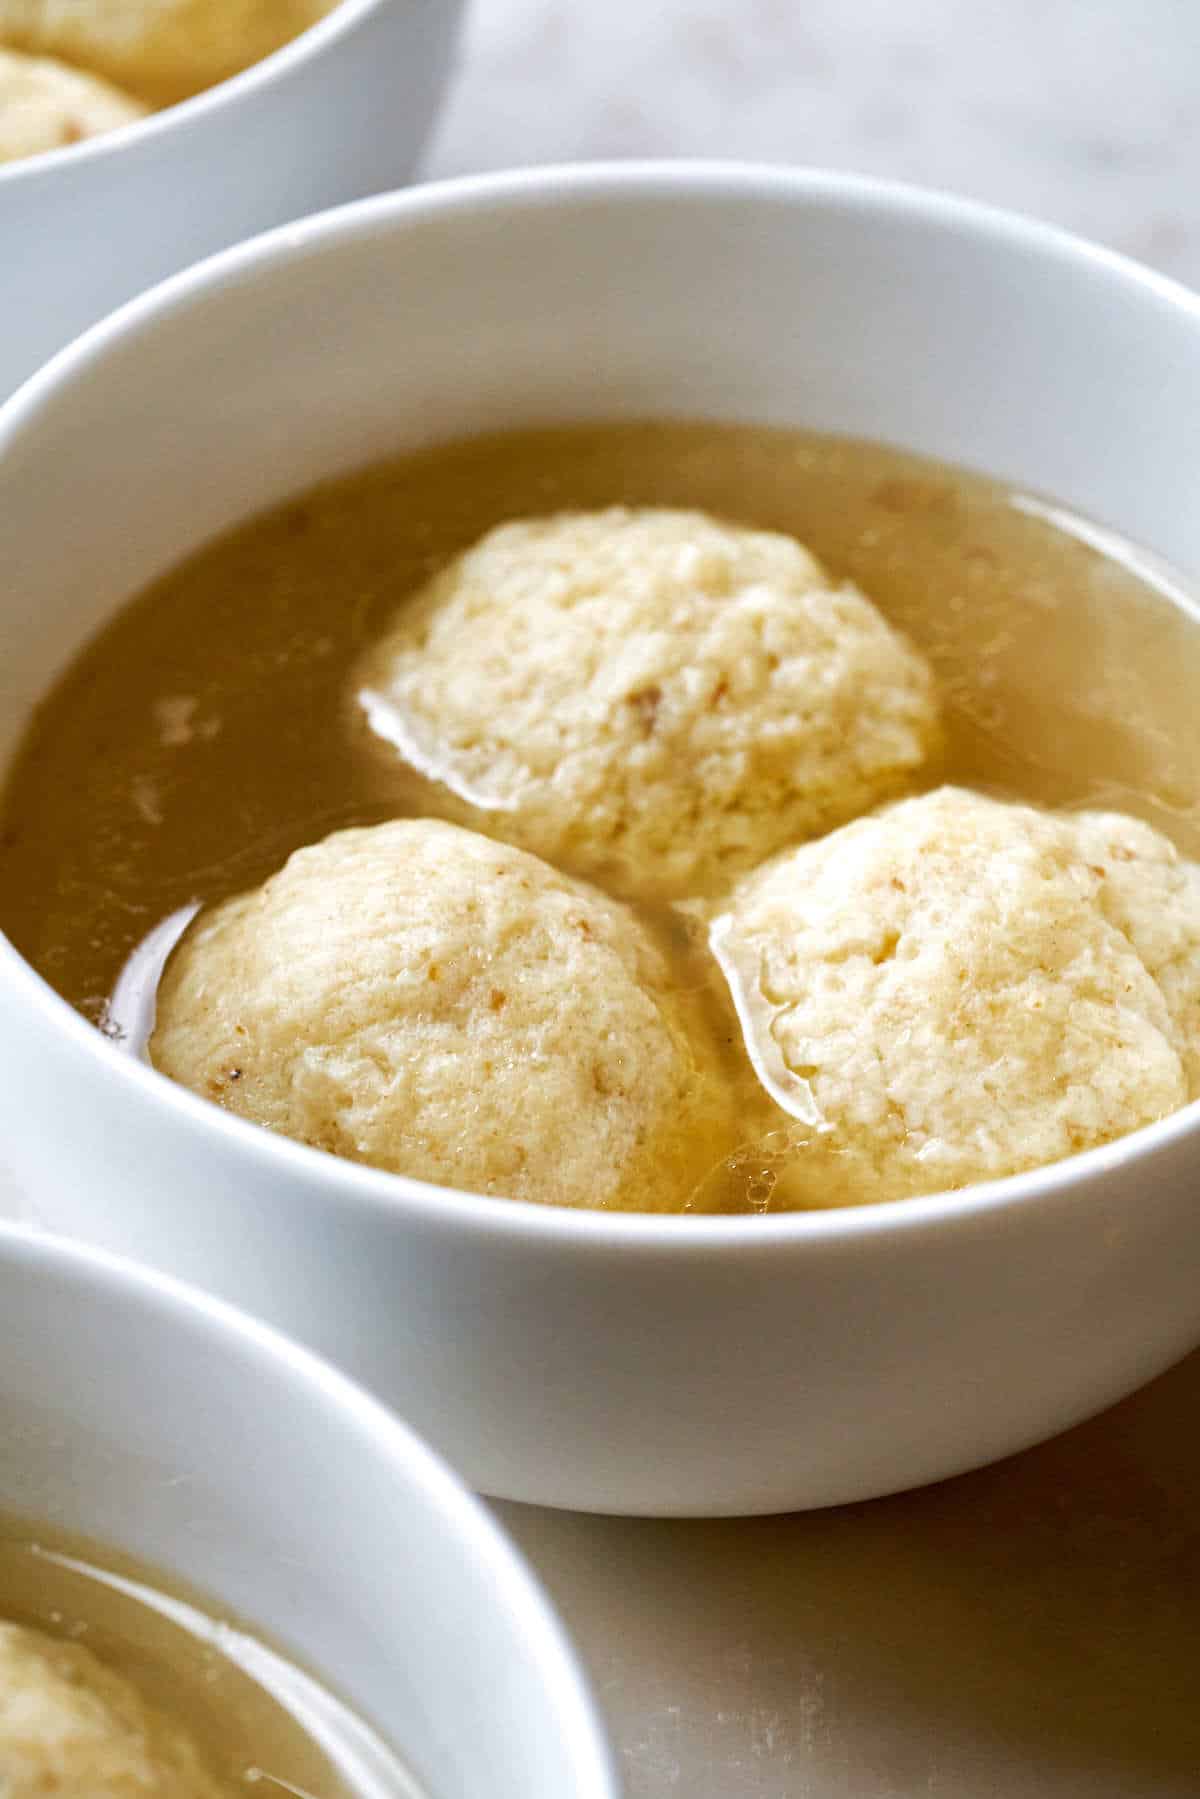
column 1085, row 112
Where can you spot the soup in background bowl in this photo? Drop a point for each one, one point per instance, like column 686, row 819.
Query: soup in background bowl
column 342, row 109
column 699, row 1364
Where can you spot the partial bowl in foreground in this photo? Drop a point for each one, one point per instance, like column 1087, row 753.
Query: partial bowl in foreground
column 166, row 1427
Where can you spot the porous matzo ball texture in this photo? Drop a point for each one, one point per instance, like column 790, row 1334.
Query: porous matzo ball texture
column 160, row 50
column 45, row 106
column 71, row 1726
column 652, row 698
column 957, row 988
column 416, row 997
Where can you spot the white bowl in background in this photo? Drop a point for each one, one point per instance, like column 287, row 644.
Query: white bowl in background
column 341, row 111
column 168, row 1426
column 619, row 1363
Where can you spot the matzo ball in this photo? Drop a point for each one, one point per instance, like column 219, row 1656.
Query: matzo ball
column 69, row 1725
column 957, row 988
column 46, row 106
column 418, row 998
column 652, row 698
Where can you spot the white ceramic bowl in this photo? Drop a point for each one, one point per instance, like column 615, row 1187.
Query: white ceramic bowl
column 642, row 1364
column 167, row 1425
column 340, row 112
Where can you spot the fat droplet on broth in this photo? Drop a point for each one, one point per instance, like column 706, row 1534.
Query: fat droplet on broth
column 747, row 1180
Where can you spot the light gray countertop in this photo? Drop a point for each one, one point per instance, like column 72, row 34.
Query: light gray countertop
column 1084, row 112
column 1028, row 1632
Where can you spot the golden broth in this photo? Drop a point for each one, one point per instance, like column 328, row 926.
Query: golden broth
column 259, row 1721
column 207, row 731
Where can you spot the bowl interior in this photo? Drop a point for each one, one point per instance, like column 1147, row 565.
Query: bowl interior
column 173, row 1429
column 782, row 298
